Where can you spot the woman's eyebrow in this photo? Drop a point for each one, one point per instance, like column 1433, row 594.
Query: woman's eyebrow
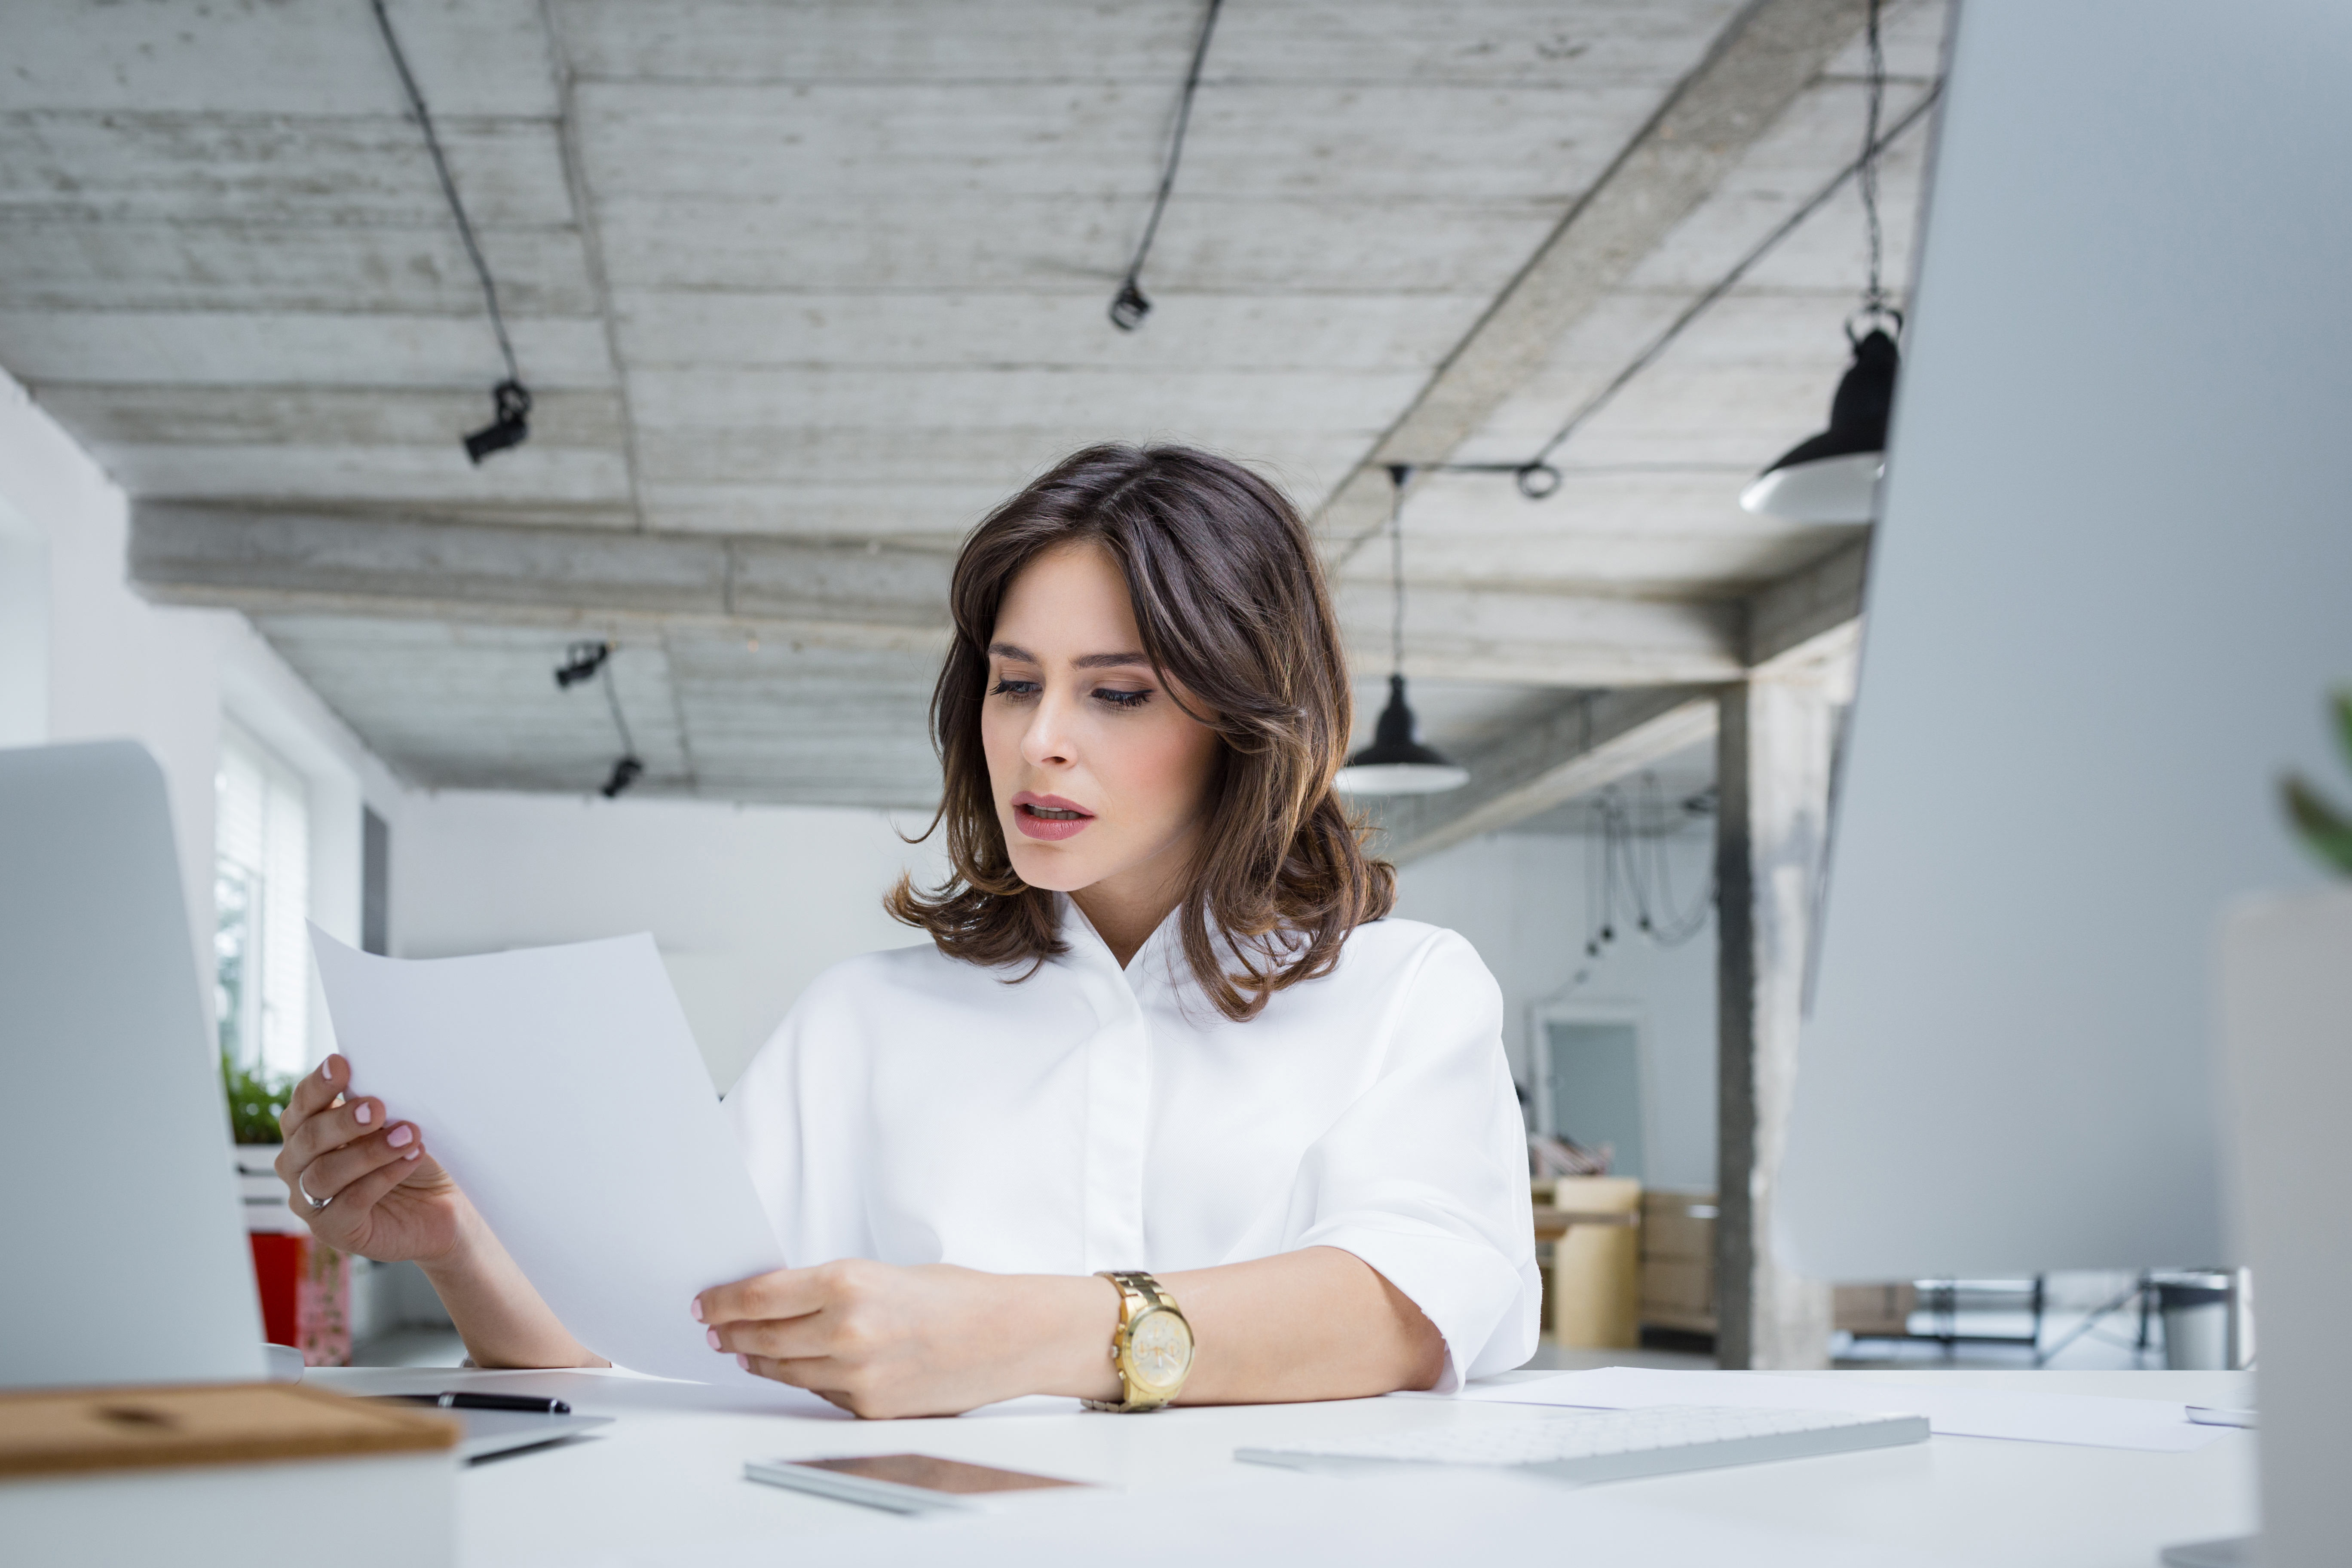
column 1085, row 661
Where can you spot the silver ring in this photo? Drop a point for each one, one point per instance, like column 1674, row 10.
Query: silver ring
column 316, row 1203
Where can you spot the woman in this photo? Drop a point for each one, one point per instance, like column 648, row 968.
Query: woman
column 1160, row 1026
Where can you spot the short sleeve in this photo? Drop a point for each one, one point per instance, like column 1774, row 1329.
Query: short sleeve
column 1425, row 1175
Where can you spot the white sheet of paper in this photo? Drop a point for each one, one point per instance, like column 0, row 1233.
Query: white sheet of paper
column 561, row 1088
column 2091, row 1420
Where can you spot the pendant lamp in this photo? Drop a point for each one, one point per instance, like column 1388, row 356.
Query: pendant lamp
column 1833, row 477
column 1396, row 763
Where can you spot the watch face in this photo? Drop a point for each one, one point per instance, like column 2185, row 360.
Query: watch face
column 1158, row 1348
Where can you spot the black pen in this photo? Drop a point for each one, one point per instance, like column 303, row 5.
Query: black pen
column 524, row 1401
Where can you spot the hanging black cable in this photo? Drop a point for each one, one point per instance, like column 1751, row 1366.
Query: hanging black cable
column 1833, row 477
column 1396, row 763
column 509, row 398
column 585, row 661
column 1129, row 305
column 1537, row 478
column 1874, row 299
column 1648, row 819
column 1619, row 876
column 627, row 769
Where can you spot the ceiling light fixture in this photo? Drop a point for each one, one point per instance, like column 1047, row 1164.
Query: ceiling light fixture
column 581, row 662
column 585, row 661
column 1396, row 763
column 1129, row 305
column 511, row 424
column 624, row 773
column 510, row 428
column 1834, row 477
column 1537, row 477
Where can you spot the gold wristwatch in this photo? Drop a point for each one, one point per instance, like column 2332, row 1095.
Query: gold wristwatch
column 1152, row 1347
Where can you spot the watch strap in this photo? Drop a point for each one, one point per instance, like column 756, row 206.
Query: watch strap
column 1139, row 1293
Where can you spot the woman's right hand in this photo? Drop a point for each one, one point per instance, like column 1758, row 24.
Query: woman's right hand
column 381, row 1194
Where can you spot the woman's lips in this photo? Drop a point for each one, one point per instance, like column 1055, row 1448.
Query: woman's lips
column 1048, row 816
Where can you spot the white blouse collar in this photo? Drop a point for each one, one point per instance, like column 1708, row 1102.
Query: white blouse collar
column 1088, row 947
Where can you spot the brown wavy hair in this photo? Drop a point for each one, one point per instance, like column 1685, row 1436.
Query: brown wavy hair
column 1230, row 602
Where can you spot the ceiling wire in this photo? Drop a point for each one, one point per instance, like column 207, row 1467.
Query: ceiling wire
column 509, row 399
column 593, row 661
column 448, row 189
column 613, row 702
column 1616, row 874
column 1129, row 305
column 1536, row 477
column 1874, row 299
column 1399, row 476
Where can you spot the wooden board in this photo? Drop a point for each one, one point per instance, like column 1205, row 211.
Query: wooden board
column 59, row 1431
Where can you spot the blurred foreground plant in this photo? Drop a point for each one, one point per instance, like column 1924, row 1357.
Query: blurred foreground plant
column 2325, row 831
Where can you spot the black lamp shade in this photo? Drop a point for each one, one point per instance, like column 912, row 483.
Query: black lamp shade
column 1395, row 763
column 1858, row 414
column 1833, row 477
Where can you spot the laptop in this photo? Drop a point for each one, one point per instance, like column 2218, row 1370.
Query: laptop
column 114, row 1142
column 113, row 1129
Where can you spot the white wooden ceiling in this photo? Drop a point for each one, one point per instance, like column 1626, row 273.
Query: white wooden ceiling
column 838, row 271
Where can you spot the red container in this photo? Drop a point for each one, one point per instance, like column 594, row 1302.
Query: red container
column 306, row 1294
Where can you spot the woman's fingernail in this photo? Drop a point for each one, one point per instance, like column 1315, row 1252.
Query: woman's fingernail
column 364, row 1116
column 326, row 1072
column 696, row 1308
column 712, row 1336
column 744, row 1361
column 411, row 1153
column 400, row 1137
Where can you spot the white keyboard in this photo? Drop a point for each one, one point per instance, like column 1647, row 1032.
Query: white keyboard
column 1609, row 1445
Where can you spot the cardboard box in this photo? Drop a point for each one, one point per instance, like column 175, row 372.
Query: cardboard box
column 1678, row 1261
column 1595, row 1287
column 1875, row 1311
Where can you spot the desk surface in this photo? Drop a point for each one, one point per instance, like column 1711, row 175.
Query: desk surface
column 664, row 1485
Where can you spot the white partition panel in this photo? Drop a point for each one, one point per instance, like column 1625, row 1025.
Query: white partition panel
column 2112, row 588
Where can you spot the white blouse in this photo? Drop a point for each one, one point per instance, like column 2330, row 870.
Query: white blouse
column 917, row 1109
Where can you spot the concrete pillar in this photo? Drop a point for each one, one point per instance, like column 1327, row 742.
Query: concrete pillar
column 1772, row 760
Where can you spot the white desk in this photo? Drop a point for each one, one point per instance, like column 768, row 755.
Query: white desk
column 663, row 1485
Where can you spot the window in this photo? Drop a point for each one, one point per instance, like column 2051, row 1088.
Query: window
column 261, row 896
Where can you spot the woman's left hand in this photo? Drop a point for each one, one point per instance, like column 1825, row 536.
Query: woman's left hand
column 881, row 1339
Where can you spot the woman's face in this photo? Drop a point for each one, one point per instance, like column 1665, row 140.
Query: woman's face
column 1097, row 774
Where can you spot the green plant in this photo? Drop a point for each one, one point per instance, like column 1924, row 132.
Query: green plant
column 2325, row 831
column 255, row 1099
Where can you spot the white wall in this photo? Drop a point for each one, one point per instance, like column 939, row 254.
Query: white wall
column 1522, row 901
column 747, row 903
column 24, row 631
column 106, row 664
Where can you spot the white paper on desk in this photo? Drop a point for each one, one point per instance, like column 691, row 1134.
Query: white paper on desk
column 561, row 1088
column 2091, row 1420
